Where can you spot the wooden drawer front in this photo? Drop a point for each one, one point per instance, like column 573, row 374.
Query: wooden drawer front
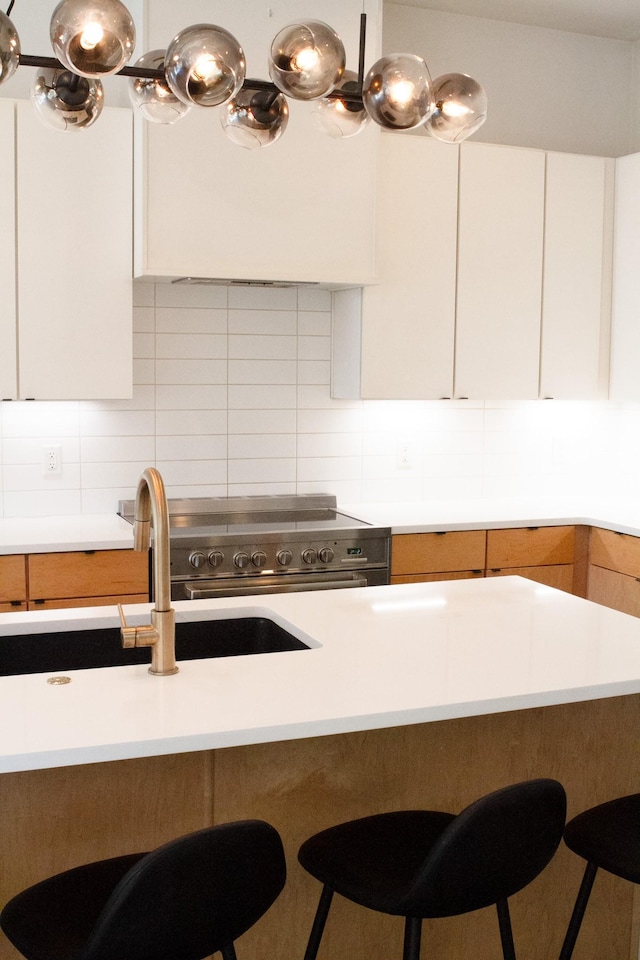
column 616, row 551
column 616, row 590
column 529, row 546
column 553, row 575
column 13, row 579
column 87, row 602
column 14, row 607
column 429, row 577
column 102, row 573
column 437, row 552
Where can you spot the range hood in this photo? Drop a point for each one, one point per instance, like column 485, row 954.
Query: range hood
column 219, row 282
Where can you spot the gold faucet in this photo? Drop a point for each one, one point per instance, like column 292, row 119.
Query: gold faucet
column 151, row 510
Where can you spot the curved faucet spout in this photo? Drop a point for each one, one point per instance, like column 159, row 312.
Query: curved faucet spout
column 151, row 509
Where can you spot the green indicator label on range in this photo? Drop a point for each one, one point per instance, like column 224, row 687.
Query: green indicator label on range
column 354, row 551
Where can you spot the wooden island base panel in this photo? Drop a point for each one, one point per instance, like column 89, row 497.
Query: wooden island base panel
column 53, row 819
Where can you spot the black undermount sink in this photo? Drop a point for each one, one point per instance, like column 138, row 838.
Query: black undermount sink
column 102, row 647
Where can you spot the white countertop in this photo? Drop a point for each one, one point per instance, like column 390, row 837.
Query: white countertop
column 383, row 656
column 111, row 532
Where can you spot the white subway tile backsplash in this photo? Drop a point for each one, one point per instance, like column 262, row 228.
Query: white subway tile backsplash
column 191, row 447
column 204, row 346
column 249, row 397
column 184, row 321
column 232, row 396
column 256, row 347
column 191, row 396
column 191, row 422
column 262, row 421
column 263, row 322
column 191, row 371
column 262, row 371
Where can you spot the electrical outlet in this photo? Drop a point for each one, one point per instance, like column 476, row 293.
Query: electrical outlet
column 404, row 455
column 52, row 459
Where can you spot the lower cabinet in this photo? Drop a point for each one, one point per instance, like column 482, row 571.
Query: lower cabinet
column 83, row 579
column 614, row 571
column 13, row 583
column 453, row 555
column 555, row 556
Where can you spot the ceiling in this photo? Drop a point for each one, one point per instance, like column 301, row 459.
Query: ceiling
column 617, row 19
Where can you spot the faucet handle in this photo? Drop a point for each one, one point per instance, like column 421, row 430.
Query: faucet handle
column 127, row 633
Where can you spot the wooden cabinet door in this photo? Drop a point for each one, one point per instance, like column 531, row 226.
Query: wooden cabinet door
column 559, row 575
column 430, row 577
column 500, row 244
column 616, row 590
column 74, row 208
column 529, row 546
column 625, row 328
column 615, row 551
column 13, row 581
column 423, row 553
column 8, row 317
column 303, row 209
column 408, row 317
column 576, row 304
column 101, row 573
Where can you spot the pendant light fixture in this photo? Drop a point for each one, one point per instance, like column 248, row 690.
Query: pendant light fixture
column 204, row 66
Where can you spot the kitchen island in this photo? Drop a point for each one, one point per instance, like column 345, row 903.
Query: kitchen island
column 413, row 695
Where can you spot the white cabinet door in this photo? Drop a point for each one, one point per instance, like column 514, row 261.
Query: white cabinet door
column 625, row 334
column 8, row 359
column 301, row 209
column 74, row 210
column 577, row 277
column 501, row 205
column 408, row 316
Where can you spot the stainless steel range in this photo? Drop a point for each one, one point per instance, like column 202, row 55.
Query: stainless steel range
column 229, row 546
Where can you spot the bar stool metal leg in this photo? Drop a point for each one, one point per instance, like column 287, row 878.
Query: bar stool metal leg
column 319, row 923
column 506, row 935
column 412, row 934
column 578, row 911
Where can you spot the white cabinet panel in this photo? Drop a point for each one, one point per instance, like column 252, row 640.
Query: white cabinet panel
column 408, row 317
column 74, row 258
column 499, row 272
column 301, row 209
column 625, row 335
column 576, row 285
column 8, row 371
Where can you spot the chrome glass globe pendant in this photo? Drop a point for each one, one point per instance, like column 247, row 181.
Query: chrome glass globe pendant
column 204, row 66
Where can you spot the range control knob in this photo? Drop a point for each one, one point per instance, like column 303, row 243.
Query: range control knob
column 309, row 555
column 242, row 560
column 216, row 558
column 326, row 555
column 259, row 558
column 284, row 557
column 197, row 559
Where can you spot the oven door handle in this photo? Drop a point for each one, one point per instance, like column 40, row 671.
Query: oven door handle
column 242, row 587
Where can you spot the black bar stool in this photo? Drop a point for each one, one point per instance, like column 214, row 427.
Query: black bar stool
column 424, row 863
column 191, row 897
column 607, row 837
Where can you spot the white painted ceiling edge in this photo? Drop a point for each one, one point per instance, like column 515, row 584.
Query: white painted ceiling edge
column 616, row 19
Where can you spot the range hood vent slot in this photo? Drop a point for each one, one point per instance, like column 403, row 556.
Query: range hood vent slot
column 214, row 281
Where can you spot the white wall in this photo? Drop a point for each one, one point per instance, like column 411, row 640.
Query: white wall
column 232, row 397
column 546, row 88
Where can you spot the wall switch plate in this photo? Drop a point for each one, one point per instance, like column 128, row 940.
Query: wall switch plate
column 405, row 454
column 52, row 459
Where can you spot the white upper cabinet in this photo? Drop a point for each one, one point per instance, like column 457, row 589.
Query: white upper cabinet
column 625, row 334
column 301, row 209
column 501, row 210
column 408, row 317
column 8, row 356
column 70, row 335
column 576, row 303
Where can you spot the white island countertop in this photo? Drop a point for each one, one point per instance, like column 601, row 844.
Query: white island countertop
column 381, row 657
